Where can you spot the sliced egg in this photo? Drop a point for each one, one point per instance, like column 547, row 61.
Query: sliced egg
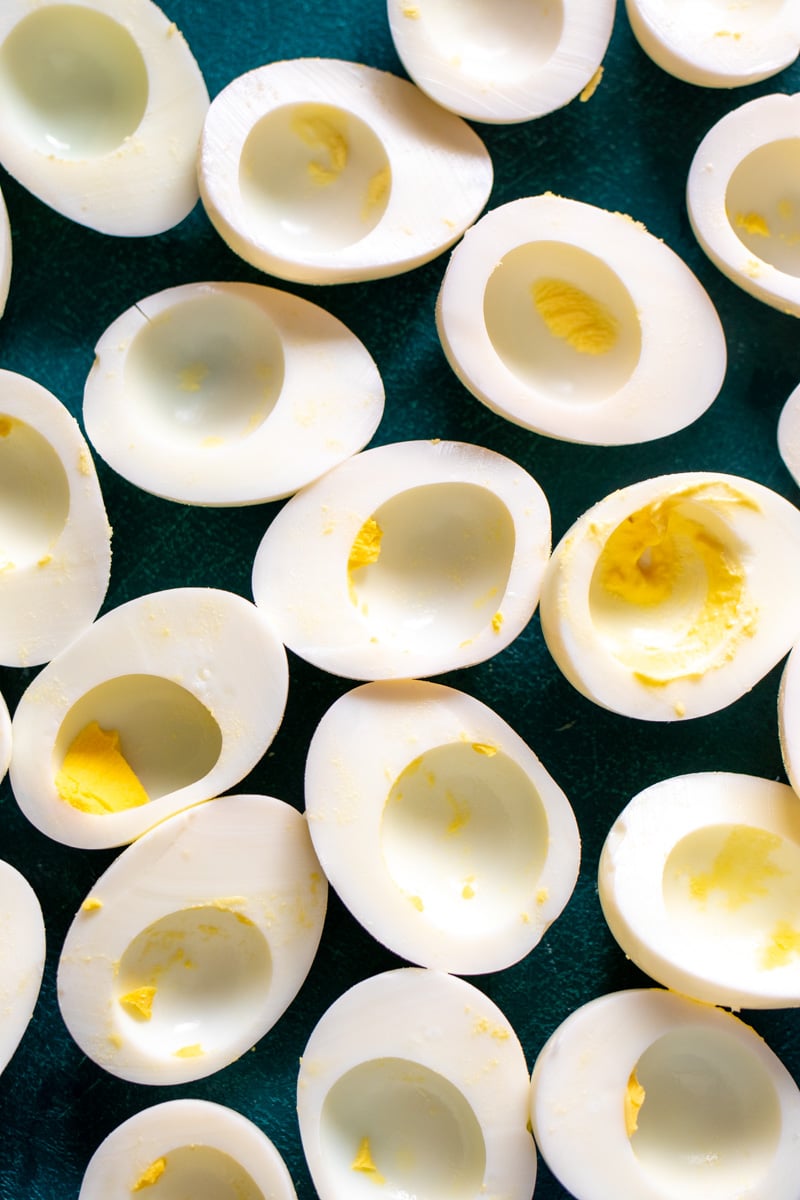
column 103, row 104
column 194, row 942
column 717, row 43
column 742, row 198
column 5, row 738
column 22, row 951
column 672, row 597
column 323, row 171
column 55, row 540
column 409, row 559
column 165, row 701
column 578, row 324
column 229, row 393
column 699, row 881
column 501, row 63
column 789, row 434
column 5, row 254
column 413, row 1083
column 789, row 717
column 438, row 826
column 187, row 1148
column 648, row 1095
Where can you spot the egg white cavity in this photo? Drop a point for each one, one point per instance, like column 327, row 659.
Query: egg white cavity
column 501, row 63
column 409, row 559
column 323, row 171
column 666, row 600
column 193, row 684
column 578, row 324
column 55, row 540
column 229, row 393
column 5, row 254
column 789, row 717
column 664, row 1096
column 194, row 942
column 103, row 104
column 414, row 1080
column 183, row 1148
column 717, row 43
column 22, row 952
column 438, row 826
column 699, row 881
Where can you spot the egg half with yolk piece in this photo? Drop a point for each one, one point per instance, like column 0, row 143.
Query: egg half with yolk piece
column 22, row 953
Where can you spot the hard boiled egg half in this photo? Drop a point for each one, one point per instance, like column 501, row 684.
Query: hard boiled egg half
column 789, row 717
column 5, row 254
column 22, row 951
column 789, row 434
column 5, row 738
column 672, row 597
column 194, row 941
column 165, row 701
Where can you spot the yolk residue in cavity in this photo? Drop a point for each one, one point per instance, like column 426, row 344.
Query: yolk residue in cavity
column 586, row 324
column 95, row 776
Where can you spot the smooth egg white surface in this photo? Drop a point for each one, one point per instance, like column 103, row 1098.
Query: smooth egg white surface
column 577, row 323
column 438, row 826
column 501, row 62
column 22, row 952
column 5, row 254
column 191, row 685
column 409, row 559
column 699, row 881
column 229, row 393
column 789, row 717
column 672, row 597
column 648, row 1095
column 183, row 1148
column 742, row 202
column 194, row 942
column 323, row 171
column 55, row 540
column 103, row 104
column 789, row 434
column 5, row 738
column 713, row 44
column 413, row 1080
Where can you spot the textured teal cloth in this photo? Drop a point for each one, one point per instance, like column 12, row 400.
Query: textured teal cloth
column 626, row 149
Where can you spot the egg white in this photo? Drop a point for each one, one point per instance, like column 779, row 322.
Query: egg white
column 22, row 953
column 5, row 738
column 788, row 434
column 5, row 254
column 789, row 717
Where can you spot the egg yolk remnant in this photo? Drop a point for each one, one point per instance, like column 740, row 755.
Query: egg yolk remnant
column 95, row 777
column 365, row 550
column 633, row 1101
column 319, row 133
column 741, row 869
column 575, row 316
column 151, row 1175
column 139, row 1003
column 364, row 1162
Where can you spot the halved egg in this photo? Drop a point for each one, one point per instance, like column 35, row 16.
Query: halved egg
column 672, row 597
column 413, row 1083
column 229, row 393
column 578, row 324
column 789, row 434
column 55, row 540
column 103, row 104
column 699, row 881
column 187, row 1148
column 742, row 198
column 323, row 171
column 165, row 701
column 5, row 738
column 194, row 942
column 448, row 840
column 501, row 62
column 648, row 1095
column 717, row 44
column 22, row 951
column 5, row 254
column 408, row 559
column 789, row 717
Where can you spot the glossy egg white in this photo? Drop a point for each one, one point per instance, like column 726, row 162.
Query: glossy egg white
column 229, row 393
column 323, row 171
column 5, row 737
column 407, row 560
column 413, row 1083
column 789, row 717
column 5, row 254
column 699, row 881
column 742, row 201
column 437, row 825
column 187, row 1147
column 103, row 104
column 648, row 1095
column 577, row 323
column 192, row 681
column 55, row 540
column 672, row 597
column 194, row 942
column 713, row 44
column 22, row 952
column 504, row 62
column 788, row 434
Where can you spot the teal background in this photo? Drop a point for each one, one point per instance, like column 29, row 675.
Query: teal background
column 629, row 149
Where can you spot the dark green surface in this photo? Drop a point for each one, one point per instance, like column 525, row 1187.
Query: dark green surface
column 628, row 149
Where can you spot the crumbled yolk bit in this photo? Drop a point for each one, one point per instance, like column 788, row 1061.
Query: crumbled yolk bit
column 417, row 902
column 783, row 946
column 95, row 777
column 150, row 1175
column 139, row 1002
column 753, row 223
column 484, row 748
column 317, row 131
column 377, row 191
column 497, row 622
column 591, row 86
column 634, row 1099
column 364, row 552
column 192, row 377
column 575, row 316
column 193, row 1051
column 6, row 425
column 91, row 904
column 741, row 869
column 365, row 1163
column 468, row 891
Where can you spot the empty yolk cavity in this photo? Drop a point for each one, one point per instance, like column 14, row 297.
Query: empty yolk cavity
column 575, row 316
column 95, row 776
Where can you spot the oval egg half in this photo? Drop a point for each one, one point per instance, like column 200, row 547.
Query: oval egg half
column 5, row 254
column 22, row 953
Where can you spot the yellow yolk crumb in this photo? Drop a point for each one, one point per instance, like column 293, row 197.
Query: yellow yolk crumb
column 468, row 891
column 318, row 132
column 193, row 1051
column 6, row 425
column 417, row 902
column 191, row 378
column 139, row 1002
column 753, row 223
column 634, row 1099
column 95, row 777
column 741, row 869
column 377, row 191
column 91, row 904
column 575, row 316
column 364, row 552
column 151, row 1175
column 364, row 1161
column 484, row 748
column 542, row 895
column 591, row 86
column 783, row 946
column 497, row 622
